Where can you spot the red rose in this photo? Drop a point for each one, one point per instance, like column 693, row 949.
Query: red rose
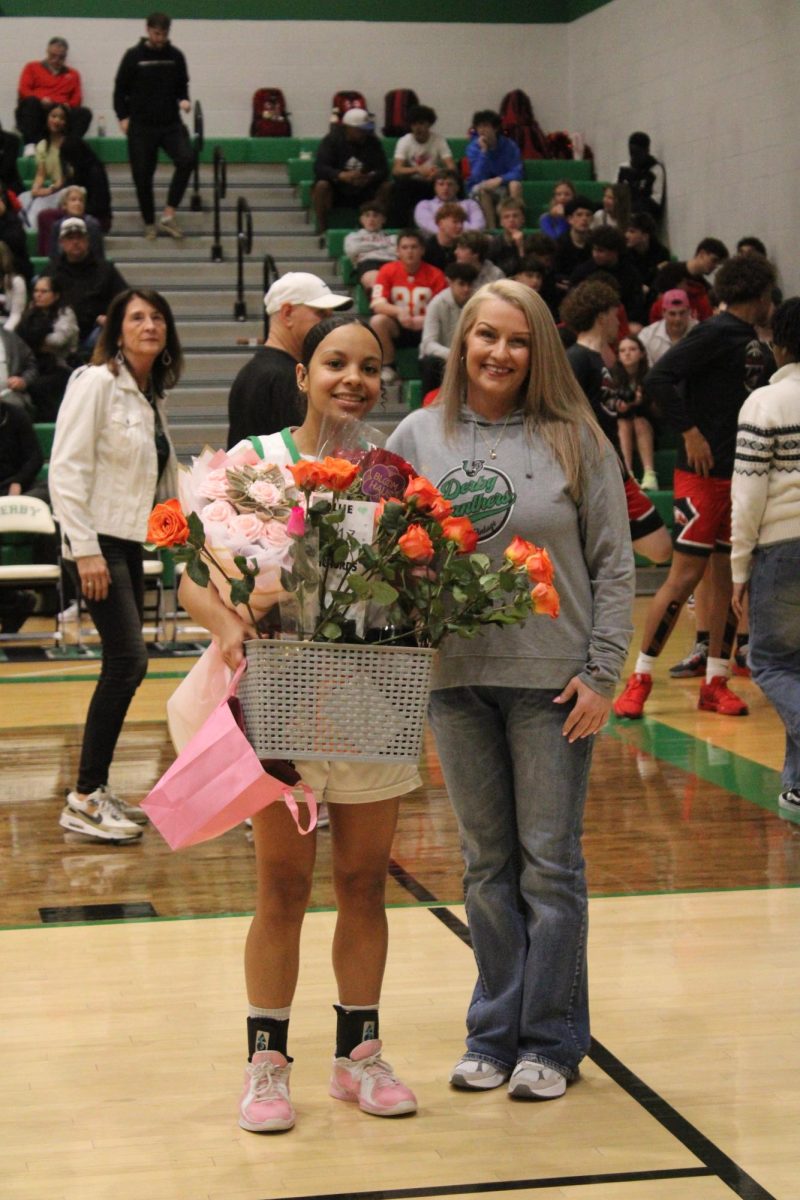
column 167, row 526
column 416, row 544
column 461, row 531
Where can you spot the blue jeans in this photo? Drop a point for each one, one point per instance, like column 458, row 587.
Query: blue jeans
column 518, row 790
column 775, row 641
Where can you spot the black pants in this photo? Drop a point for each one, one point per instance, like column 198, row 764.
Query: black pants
column 406, row 195
column 118, row 619
column 31, row 118
column 431, row 369
column 144, row 142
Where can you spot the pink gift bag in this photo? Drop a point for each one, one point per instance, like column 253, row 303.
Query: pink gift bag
column 217, row 781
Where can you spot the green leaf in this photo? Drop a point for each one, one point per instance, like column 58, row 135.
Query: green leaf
column 481, row 561
column 359, row 586
column 489, row 583
column 287, row 580
column 341, row 553
column 197, row 571
column 383, row 592
column 197, row 535
column 330, row 631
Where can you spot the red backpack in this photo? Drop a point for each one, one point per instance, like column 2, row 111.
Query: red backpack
column 396, row 105
column 559, row 145
column 270, row 117
column 344, row 100
column 519, row 124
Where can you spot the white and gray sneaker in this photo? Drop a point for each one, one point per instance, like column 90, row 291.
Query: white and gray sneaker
column 474, row 1074
column 790, row 801
column 96, row 816
column 533, row 1081
column 131, row 812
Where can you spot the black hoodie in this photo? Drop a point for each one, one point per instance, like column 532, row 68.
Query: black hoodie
column 151, row 81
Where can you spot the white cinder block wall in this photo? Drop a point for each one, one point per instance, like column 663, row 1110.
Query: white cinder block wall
column 714, row 82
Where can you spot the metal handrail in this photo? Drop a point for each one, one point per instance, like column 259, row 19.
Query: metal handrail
column 196, row 204
column 244, row 244
column 269, row 273
column 220, row 192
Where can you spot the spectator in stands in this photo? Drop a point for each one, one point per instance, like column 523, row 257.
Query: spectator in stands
column 445, row 187
column 531, row 272
column 264, row 397
column 440, row 250
column 20, row 463
column 646, row 252
column 553, row 222
column 751, row 245
column 73, row 204
column 607, row 247
column 441, row 319
column 84, row 168
column 368, row 248
column 45, row 84
column 645, row 177
column 151, row 90
column 350, row 167
column 495, row 164
column 572, row 248
column 616, row 208
column 17, row 370
column 661, row 336
column 85, row 283
column 13, row 292
column 51, row 174
column 9, row 170
column 12, row 232
column 635, row 417
column 50, row 328
column 507, row 248
column 699, row 387
column 543, row 248
column 418, row 156
column 472, row 248
column 691, row 277
column 400, row 297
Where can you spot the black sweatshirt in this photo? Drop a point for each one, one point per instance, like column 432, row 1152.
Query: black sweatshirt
column 150, row 83
column 20, row 452
column 705, row 379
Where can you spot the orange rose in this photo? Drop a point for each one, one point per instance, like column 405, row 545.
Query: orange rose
column 337, row 473
column 544, row 600
column 428, row 498
column 518, row 551
column 306, row 474
column 539, row 566
column 461, row 531
column 416, row 544
column 167, row 525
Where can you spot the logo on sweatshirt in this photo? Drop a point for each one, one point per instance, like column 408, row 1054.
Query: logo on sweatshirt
column 481, row 492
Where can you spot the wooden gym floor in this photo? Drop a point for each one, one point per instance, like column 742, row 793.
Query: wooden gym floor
column 122, row 1004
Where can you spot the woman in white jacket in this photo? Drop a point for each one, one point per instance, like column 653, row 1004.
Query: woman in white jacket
column 111, row 458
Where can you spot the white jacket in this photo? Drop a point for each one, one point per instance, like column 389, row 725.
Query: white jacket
column 103, row 467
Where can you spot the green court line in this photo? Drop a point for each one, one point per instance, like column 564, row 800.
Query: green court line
column 34, row 678
column 726, row 770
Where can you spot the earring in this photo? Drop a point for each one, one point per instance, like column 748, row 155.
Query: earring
column 119, row 358
column 166, row 358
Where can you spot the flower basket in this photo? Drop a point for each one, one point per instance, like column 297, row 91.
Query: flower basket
column 309, row 700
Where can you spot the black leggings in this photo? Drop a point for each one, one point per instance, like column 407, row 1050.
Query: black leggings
column 144, row 142
column 118, row 619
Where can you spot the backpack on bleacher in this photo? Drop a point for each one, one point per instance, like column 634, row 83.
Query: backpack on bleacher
column 560, row 145
column 396, row 105
column 344, row 100
column 270, row 117
column 519, row 124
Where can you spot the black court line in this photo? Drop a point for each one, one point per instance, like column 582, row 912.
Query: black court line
column 82, row 914
column 716, row 1162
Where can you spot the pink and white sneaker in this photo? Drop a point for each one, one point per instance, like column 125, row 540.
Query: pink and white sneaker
column 366, row 1080
column 265, row 1106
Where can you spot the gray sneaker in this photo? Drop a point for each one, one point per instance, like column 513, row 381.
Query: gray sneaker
column 790, row 801
column 131, row 812
column 693, row 665
column 471, row 1074
column 95, row 816
column 532, row 1081
column 170, row 226
column 150, row 233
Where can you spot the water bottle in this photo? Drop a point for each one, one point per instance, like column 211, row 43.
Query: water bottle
column 101, row 127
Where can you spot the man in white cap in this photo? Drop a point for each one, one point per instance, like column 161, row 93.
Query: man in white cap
column 350, row 167
column 264, row 397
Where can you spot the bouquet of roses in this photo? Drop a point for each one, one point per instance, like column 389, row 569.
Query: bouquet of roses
column 359, row 533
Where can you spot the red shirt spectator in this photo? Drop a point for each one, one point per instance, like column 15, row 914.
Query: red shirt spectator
column 40, row 82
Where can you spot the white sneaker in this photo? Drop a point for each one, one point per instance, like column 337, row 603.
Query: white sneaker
column 790, row 801
column 532, row 1081
column 30, row 150
column 95, row 816
column 265, row 1105
column 131, row 812
column 70, row 613
column 469, row 1073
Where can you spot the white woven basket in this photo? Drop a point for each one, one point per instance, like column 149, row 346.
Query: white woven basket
column 323, row 700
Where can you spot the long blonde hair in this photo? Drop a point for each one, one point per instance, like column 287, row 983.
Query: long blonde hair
column 551, row 400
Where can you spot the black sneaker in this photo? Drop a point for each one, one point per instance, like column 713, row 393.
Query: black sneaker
column 694, row 664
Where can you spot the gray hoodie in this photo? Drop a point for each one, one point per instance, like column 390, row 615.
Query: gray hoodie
column 523, row 492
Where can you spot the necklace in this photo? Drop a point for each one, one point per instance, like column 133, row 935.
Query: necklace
column 493, row 448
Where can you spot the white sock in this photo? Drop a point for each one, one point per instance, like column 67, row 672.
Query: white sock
column 645, row 664
column 717, row 666
column 277, row 1014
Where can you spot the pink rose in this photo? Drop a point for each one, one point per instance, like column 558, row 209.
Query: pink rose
column 218, row 512
column 296, row 526
column 276, row 535
column 246, row 526
column 266, row 493
column 216, row 484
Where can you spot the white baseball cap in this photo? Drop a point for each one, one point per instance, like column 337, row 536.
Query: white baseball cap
column 300, row 287
column 358, row 118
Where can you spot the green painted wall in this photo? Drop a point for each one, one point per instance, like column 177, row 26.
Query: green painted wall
column 514, row 12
